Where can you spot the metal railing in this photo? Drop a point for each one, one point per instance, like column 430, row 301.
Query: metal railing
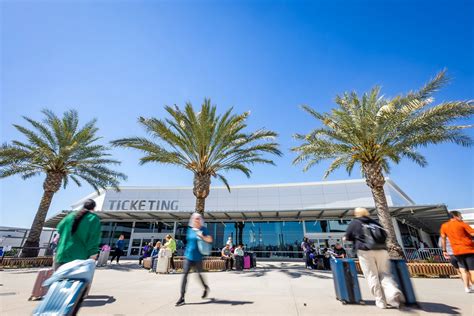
column 426, row 254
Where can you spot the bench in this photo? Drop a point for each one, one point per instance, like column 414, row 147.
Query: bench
column 208, row 263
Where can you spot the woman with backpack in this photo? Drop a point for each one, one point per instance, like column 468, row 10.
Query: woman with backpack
column 80, row 236
column 369, row 242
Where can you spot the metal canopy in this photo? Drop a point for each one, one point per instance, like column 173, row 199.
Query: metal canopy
column 428, row 217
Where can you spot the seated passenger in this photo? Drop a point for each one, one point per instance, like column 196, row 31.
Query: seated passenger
column 340, row 252
column 239, row 257
column 227, row 257
column 154, row 253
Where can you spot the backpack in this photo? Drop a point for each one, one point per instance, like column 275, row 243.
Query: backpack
column 374, row 236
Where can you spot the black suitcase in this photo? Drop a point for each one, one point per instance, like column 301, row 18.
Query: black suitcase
column 239, row 263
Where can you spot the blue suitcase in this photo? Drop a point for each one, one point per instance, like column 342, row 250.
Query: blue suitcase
column 63, row 298
column 346, row 283
column 401, row 276
column 67, row 288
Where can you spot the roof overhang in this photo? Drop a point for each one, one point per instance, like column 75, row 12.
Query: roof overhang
column 428, row 217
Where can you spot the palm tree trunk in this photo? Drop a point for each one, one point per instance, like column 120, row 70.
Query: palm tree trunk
column 202, row 184
column 51, row 185
column 375, row 180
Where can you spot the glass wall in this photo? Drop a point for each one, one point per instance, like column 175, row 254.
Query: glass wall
column 268, row 239
column 112, row 231
column 327, row 226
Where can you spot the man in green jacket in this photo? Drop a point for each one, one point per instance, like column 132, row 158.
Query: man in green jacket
column 80, row 234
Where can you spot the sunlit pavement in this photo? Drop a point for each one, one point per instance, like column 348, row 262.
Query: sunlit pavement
column 273, row 288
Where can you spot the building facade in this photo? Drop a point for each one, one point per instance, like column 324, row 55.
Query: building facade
column 270, row 220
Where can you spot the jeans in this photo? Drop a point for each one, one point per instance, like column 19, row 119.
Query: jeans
column 197, row 265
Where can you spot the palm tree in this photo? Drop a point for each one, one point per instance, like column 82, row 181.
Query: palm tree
column 63, row 151
column 372, row 131
column 204, row 143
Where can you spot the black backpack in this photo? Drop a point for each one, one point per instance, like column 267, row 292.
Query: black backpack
column 374, row 236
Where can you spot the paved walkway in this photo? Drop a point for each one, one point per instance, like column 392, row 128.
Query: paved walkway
column 274, row 288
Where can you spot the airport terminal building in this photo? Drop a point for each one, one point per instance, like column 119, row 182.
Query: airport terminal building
column 270, row 220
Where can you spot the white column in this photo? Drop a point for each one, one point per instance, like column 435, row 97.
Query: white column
column 397, row 232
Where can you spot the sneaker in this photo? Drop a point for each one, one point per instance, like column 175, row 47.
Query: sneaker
column 469, row 290
column 180, row 301
column 206, row 291
column 381, row 305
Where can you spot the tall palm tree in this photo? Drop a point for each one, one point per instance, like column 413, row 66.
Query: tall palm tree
column 372, row 131
column 204, row 143
column 63, row 151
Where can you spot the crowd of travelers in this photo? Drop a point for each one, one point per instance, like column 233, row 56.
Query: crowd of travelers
column 79, row 235
column 318, row 257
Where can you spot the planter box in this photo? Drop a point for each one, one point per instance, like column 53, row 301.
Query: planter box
column 425, row 269
column 26, row 262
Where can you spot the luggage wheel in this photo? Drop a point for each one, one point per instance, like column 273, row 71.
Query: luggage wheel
column 344, row 302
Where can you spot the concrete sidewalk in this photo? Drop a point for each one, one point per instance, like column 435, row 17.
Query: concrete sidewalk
column 274, row 288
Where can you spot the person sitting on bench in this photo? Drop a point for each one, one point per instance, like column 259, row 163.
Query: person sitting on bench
column 226, row 254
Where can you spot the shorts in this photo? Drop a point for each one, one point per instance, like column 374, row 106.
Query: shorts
column 466, row 261
column 454, row 261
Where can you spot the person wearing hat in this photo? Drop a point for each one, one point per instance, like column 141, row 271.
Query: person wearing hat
column 80, row 235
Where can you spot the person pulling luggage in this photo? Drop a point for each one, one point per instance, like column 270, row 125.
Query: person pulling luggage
column 373, row 258
column 80, row 236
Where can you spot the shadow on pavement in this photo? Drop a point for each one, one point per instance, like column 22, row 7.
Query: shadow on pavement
column 121, row 267
column 224, row 302
column 435, row 308
column 298, row 274
column 439, row 308
column 97, row 300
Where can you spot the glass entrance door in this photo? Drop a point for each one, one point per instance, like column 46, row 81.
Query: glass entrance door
column 139, row 240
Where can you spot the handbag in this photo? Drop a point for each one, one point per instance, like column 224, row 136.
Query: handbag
column 204, row 247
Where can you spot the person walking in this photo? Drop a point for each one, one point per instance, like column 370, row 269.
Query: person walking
column 460, row 236
column 192, row 255
column 171, row 245
column 119, row 247
column 80, row 236
column 452, row 259
column 374, row 259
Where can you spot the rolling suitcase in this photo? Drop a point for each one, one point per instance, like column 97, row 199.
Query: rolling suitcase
column 239, row 263
column 67, row 288
column 103, row 258
column 163, row 261
column 401, row 276
column 38, row 289
column 247, row 262
column 346, row 283
column 253, row 258
column 64, row 298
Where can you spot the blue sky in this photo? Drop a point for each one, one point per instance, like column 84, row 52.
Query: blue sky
column 115, row 61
